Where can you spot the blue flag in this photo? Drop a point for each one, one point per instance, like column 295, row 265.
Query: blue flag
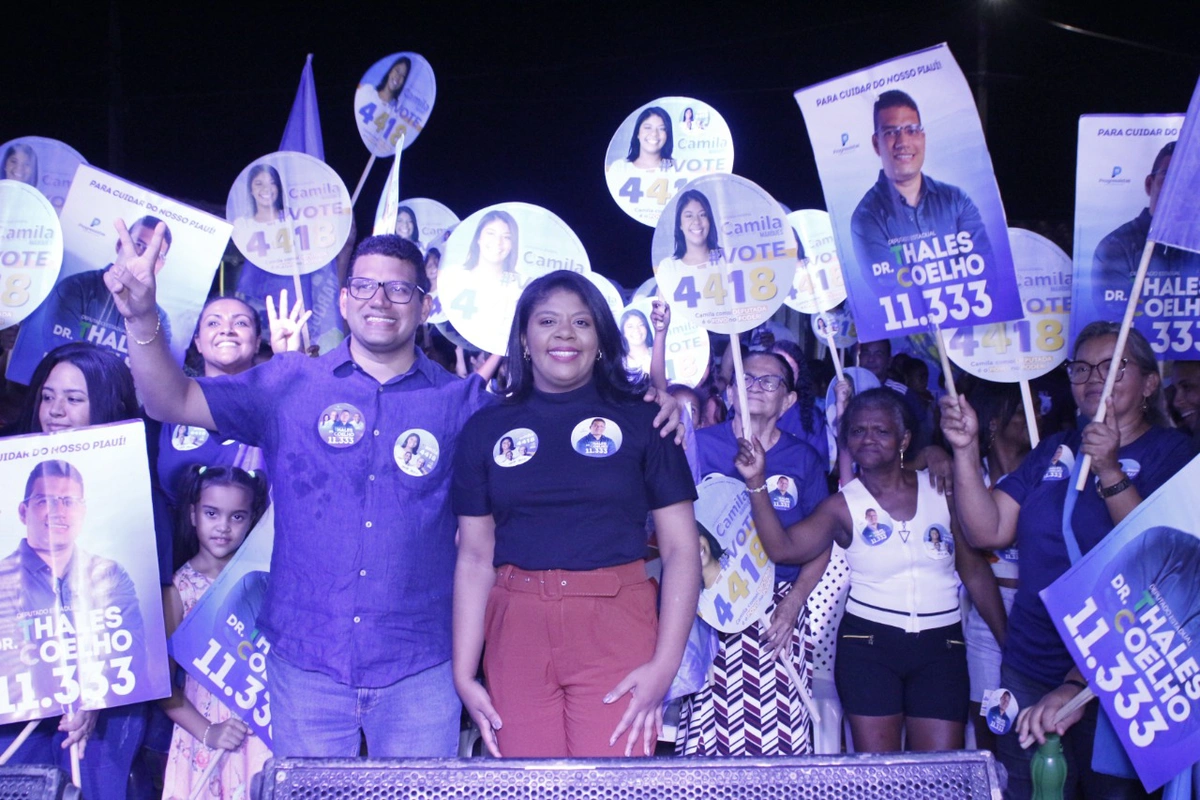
column 1177, row 217
column 302, row 134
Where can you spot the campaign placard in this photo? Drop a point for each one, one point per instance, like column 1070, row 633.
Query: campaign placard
column 219, row 644
column 837, row 321
column 394, row 97
column 31, row 250
column 48, row 165
column 80, row 307
column 610, row 292
column 1007, row 352
column 910, row 189
column 490, row 257
column 819, row 284
column 659, row 148
column 290, row 213
column 1119, row 173
column 688, row 347
column 725, row 252
column 81, row 623
column 422, row 221
column 1129, row 613
column 739, row 579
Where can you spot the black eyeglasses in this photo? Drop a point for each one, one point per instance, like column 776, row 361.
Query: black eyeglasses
column 1081, row 371
column 399, row 292
column 769, row 383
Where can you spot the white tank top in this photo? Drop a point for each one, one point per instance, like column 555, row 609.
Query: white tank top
column 902, row 572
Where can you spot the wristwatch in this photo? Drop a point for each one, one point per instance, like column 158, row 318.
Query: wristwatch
column 1116, row 488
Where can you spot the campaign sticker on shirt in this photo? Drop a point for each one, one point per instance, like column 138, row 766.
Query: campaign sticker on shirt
column 1130, row 467
column 782, row 491
column 596, row 437
column 1008, row 554
column 394, row 98
column 875, row 531
column 1060, row 465
column 416, row 452
column 341, row 425
column 939, row 543
column 1000, row 708
column 515, row 447
column 188, row 437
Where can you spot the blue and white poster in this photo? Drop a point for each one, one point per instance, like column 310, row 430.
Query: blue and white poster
column 1129, row 613
column 48, row 165
column 909, row 184
column 81, row 622
column 1123, row 160
column 394, row 100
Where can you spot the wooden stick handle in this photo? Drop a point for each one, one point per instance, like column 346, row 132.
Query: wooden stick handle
column 794, row 677
column 17, row 742
column 1082, row 699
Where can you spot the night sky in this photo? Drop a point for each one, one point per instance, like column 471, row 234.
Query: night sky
column 529, row 93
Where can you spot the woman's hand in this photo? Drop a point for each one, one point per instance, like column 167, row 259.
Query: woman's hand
column 960, row 426
column 783, row 622
column 660, row 316
column 287, row 324
column 78, row 727
column 941, row 468
column 131, row 277
column 843, row 390
column 478, row 703
column 227, row 735
column 643, row 718
column 1101, row 441
column 751, row 463
column 668, row 418
column 1035, row 722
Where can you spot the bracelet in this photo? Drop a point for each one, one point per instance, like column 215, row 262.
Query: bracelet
column 157, row 328
column 1073, row 682
column 204, row 739
column 1115, row 489
column 762, row 488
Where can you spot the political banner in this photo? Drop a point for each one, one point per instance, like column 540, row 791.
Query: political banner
column 725, row 252
column 687, row 343
column 739, row 578
column 490, row 257
column 394, row 97
column 1129, row 613
column 290, row 213
column 1178, row 221
column 659, row 148
column 386, row 220
column 47, row 165
column 81, row 623
column 1119, row 173
column 219, row 643
column 31, row 251
column 1007, row 352
column 80, row 308
column 819, row 284
column 916, row 250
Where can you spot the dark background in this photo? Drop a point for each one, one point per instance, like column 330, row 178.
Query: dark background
column 180, row 99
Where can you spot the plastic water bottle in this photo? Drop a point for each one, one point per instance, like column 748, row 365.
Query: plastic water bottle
column 1049, row 770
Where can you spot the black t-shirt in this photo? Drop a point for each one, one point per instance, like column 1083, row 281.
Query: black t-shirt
column 554, row 506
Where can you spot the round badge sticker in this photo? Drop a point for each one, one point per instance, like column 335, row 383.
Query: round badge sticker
column 687, row 343
column 32, row 254
column 1000, row 709
column 341, row 425
column 659, row 148
column 839, row 322
column 596, row 437
column 394, row 99
column 289, row 211
column 515, row 447
column 876, row 526
column 725, row 254
column 938, row 542
column 488, row 260
column 782, row 491
column 47, row 165
column 1061, row 464
column 188, row 437
column 416, row 452
column 819, row 284
column 738, row 577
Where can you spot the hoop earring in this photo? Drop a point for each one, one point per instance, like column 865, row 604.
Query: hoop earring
column 901, row 458
column 599, row 355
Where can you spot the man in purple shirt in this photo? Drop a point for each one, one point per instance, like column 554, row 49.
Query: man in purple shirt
column 358, row 605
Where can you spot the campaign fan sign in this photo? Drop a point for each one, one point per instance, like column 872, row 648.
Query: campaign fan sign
column 1119, row 173
column 909, row 185
column 688, row 346
column 80, row 307
column 818, row 285
column 424, row 222
column 394, row 99
column 219, row 644
column 31, row 250
column 81, row 623
column 1129, row 613
column 739, row 578
column 47, row 165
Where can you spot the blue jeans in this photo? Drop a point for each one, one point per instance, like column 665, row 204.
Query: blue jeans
column 107, row 759
column 1082, row 781
column 314, row 716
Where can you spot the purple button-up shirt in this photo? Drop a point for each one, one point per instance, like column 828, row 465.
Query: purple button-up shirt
column 363, row 566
